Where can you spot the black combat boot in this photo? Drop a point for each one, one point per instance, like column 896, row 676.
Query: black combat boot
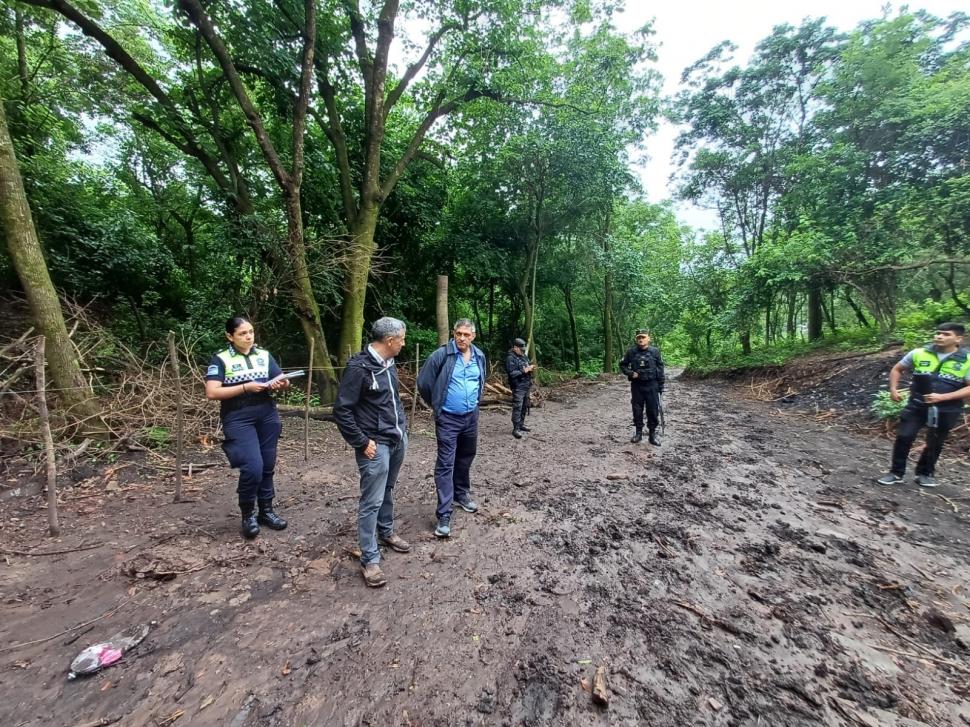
column 637, row 437
column 653, row 438
column 524, row 428
column 249, row 527
column 269, row 518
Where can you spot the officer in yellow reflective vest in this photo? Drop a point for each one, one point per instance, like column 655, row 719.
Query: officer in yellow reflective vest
column 237, row 378
column 941, row 382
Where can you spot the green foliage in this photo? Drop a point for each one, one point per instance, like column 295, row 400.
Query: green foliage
column 159, row 437
column 837, row 163
column 885, row 408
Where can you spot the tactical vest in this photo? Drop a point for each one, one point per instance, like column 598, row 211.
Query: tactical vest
column 240, row 368
column 932, row 377
column 644, row 362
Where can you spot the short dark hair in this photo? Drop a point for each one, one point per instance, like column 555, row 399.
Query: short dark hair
column 957, row 328
column 233, row 322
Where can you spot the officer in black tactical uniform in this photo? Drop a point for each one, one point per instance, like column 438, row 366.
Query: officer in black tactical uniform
column 519, row 370
column 644, row 368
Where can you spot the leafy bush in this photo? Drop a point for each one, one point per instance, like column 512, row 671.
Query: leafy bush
column 885, row 408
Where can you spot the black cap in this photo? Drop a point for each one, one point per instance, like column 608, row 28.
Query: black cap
column 518, row 342
column 642, row 332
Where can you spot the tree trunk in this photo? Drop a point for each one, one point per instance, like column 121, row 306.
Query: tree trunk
column 304, row 301
column 607, row 302
column 814, row 313
column 491, row 309
column 745, row 342
column 441, row 310
column 530, row 342
column 860, row 316
column 362, row 249
column 74, row 393
column 571, row 311
column 830, row 313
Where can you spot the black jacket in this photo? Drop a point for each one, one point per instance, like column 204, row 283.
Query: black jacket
column 368, row 404
column 646, row 363
column 514, row 365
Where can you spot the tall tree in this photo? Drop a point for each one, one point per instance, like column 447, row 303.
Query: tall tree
column 28, row 259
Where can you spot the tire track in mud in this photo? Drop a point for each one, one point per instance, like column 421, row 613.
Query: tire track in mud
column 745, row 573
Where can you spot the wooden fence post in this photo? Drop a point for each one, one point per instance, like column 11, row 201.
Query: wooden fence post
column 306, row 411
column 417, row 370
column 45, row 424
column 179, row 424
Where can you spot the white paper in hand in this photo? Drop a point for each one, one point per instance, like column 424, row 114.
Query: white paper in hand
column 291, row 375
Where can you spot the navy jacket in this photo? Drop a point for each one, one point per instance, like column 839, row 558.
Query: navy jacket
column 436, row 374
column 514, row 365
column 647, row 364
column 368, row 404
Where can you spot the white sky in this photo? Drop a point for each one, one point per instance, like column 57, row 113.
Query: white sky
column 687, row 29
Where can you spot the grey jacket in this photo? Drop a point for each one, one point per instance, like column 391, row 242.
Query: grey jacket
column 436, row 374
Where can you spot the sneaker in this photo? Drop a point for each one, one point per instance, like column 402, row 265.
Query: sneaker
column 373, row 575
column 517, row 434
column 890, row 479
column 395, row 542
column 926, row 481
column 444, row 528
column 467, row 505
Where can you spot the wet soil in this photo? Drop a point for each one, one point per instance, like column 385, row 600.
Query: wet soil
column 747, row 572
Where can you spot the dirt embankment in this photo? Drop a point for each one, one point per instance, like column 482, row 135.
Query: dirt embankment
column 748, row 572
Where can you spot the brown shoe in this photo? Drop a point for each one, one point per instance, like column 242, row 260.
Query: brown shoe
column 374, row 576
column 395, row 542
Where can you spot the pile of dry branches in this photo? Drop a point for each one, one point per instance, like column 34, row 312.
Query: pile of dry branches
column 137, row 399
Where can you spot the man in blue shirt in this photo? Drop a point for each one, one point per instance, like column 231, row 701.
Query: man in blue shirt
column 451, row 382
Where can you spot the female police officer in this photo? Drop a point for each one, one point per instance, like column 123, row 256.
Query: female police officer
column 237, row 378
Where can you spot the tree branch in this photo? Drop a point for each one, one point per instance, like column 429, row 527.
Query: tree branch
column 335, row 134
column 904, row 266
column 193, row 9
column 303, row 100
column 395, row 95
column 416, row 140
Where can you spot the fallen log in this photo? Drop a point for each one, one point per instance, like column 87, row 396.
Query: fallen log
column 320, row 413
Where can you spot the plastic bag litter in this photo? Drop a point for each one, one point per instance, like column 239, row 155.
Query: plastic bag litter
column 97, row 657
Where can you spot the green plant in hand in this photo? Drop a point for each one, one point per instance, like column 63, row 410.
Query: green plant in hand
column 885, row 408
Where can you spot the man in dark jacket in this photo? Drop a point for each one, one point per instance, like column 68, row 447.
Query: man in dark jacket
column 519, row 370
column 644, row 368
column 451, row 382
column 370, row 417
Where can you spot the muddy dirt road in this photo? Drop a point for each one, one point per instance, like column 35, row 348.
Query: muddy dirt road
column 746, row 573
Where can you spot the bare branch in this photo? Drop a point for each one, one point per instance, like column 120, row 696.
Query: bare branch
column 194, row 10
column 904, row 266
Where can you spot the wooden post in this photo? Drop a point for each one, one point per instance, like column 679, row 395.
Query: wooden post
column 441, row 310
column 417, row 370
column 179, row 423
column 45, row 425
column 306, row 411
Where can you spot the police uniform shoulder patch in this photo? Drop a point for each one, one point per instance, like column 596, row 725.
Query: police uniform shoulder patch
column 213, row 370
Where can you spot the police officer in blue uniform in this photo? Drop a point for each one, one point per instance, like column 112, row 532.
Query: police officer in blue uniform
column 237, row 377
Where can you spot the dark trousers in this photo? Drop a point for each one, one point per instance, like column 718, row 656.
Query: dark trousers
column 457, row 436
column 252, row 433
column 910, row 422
column 520, row 405
column 645, row 397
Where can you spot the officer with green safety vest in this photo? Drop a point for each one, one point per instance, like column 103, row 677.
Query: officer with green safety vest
column 940, row 384
column 239, row 377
